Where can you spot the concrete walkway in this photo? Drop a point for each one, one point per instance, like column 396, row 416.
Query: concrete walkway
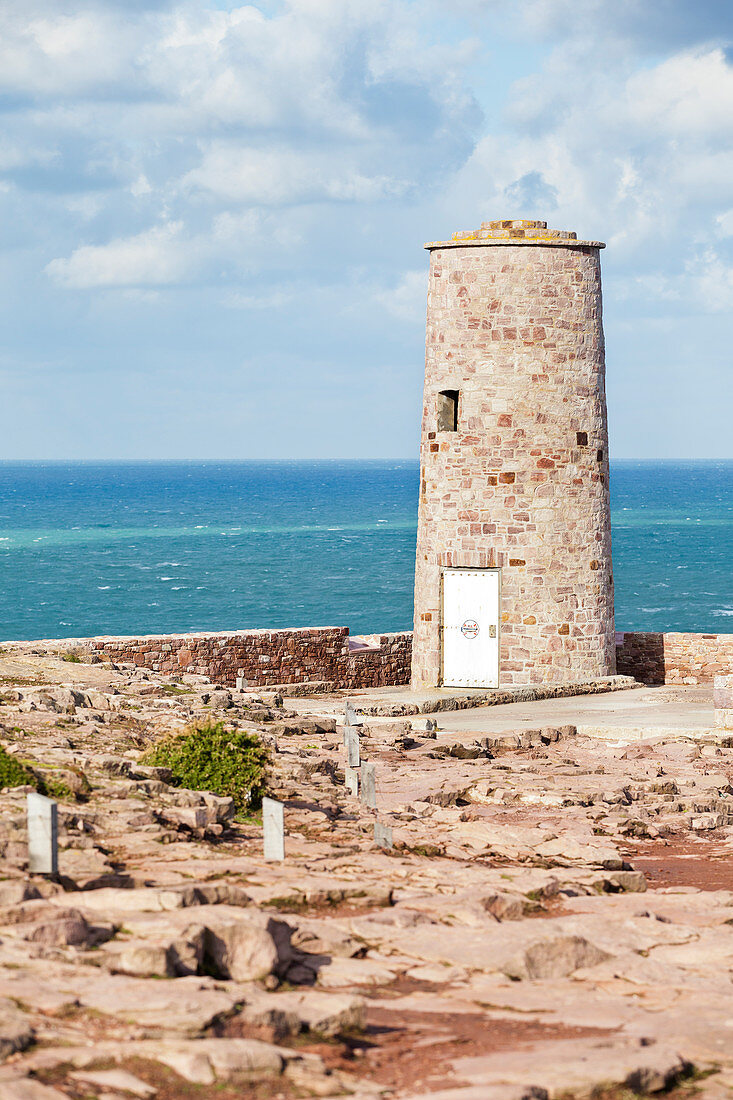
column 637, row 714
column 655, row 710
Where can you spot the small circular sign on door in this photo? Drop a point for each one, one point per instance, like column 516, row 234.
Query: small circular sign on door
column 469, row 628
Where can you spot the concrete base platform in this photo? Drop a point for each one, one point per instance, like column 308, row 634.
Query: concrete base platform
column 643, row 714
column 628, row 734
column 396, row 702
column 611, row 715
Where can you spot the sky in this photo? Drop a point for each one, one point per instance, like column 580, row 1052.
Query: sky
column 212, row 215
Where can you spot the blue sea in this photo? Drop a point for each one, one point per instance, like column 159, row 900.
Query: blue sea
column 128, row 548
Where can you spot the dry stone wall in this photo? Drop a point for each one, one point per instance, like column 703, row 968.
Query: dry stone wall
column 674, row 658
column 521, row 484
column 266, row 657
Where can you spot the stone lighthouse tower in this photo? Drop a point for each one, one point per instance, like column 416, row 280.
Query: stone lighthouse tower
column 513, row 581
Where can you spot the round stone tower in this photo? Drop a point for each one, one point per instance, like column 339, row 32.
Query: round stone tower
column 513, row 580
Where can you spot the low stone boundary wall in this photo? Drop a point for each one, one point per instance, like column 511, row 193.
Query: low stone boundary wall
column 674, row 658
column 265, row 657
column 273, row 657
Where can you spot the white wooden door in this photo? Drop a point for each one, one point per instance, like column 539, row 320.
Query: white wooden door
column 470, row 627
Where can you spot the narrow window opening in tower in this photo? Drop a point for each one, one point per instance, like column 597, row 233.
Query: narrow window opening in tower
column 448, row 411
column 582, row 438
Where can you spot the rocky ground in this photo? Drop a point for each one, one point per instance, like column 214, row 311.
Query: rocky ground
column 555, row 918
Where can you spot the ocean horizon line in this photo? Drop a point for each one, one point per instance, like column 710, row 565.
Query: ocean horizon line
column 6, row 462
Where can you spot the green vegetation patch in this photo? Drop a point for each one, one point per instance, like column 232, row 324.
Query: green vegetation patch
column 14, row 773
column 62, row 784
column 209, row 757
column 65, row 784
column 56, row 788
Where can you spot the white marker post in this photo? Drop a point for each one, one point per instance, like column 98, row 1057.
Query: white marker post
column 383, row 835
column 353, row 751
column 43, row 828
column 351, row 778
column 368, row 787
column 273, row 824
column 351, row 718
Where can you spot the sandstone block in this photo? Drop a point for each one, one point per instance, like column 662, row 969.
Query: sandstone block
column 70, row 928
column 554, row 957
column 504, row 906
column 240, row 951
column 173, row 955
column 209, row 1060
column 569, row 850
column 328, row 1014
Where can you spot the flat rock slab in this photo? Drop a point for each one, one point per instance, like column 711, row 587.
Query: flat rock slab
column 205, row 1061
column 325, row 1013
column 483, row 1092
column 25, row 1088
column 110, row 1079
column 186, row 1005
column 574, row 1067
column 343, row 973
column 523, row 950
column 210, row 1060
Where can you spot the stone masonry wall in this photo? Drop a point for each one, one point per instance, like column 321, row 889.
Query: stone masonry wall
column 514, row 324
column 267, row 657
column 674, row 658
column 322, row 653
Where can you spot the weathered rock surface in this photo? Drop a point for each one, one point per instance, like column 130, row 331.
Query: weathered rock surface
column 16, row 1032
column 555, row 917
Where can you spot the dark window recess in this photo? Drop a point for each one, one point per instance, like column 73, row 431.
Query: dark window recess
column 582, row 438
column 599, row 456
column 448, row 411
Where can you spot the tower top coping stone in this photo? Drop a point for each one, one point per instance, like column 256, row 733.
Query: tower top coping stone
column 515, row 232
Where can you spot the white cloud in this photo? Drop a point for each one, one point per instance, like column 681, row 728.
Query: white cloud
column 241, row 67
column 642, row 159
column 275, row 176
column 407, row 301
column 274, row 300
column 628, row 26
column 18, row 154
column 140, row 186
column 705, row 285
column 711, row 281
column 168, row 254
column 689, row 95
column 44, row 52
column 184, row 113
column 156, row 257
column 725, row 221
